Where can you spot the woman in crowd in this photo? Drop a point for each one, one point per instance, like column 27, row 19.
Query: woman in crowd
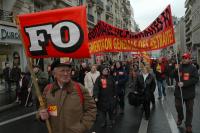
column 105, row 95
column 146, row 84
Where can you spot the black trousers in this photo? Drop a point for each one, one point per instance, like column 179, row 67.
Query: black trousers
column 110, row 115
column 146, row 106
column 121, row 100
column 189, row 110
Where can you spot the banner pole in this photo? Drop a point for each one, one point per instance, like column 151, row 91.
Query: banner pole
column 33, row 76
column 30, row 87
column 179, row 79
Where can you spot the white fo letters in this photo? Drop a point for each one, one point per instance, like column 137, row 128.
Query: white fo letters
column 41, row 35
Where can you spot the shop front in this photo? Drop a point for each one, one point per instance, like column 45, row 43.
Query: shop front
column 11, row 49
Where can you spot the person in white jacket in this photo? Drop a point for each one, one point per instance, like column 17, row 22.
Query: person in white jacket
column 90, row 79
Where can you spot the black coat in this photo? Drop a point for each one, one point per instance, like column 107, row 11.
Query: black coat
column 16, row 74
column 121, row 77
column 146, row 87
column 7, row 74
column 106, row 96
column 170, row 70
column 189, row 77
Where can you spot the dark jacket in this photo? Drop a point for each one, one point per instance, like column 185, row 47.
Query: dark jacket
column 121, row 77
column 25, row 82
column 106, row 96
column 7, row 74
column 82, row 74
column 170, row 70
column 146, row 87
column 189, row 77
column 131, row 84
column 16, row 74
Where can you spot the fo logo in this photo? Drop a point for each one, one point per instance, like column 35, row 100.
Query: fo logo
column 65, row 36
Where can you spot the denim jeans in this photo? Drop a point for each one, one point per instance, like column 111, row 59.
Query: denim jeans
column 161, row 88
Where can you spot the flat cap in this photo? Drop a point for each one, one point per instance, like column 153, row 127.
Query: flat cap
column 59, row 63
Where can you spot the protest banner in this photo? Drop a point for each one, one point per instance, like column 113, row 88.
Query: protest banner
column 106, row 38
column 55, row 33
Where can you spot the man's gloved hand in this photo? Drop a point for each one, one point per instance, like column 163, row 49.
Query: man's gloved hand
column 44, row 114
column 180, row 84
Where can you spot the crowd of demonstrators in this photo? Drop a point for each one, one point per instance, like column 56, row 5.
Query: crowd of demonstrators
column 12, row 75
column 185, row 90
column 105, row 85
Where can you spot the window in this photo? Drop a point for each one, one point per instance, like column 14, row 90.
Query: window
column 1, row 4
column 98, row 16
column 89, row 10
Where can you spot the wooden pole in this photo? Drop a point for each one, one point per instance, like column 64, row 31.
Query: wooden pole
column 34, row 81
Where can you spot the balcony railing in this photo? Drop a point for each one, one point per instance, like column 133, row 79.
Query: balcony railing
column 187, row 2
column 109, row 11
column 188, row 39
column 90, row 18
column 100, row 4
column 188, row 11
column 6, row 16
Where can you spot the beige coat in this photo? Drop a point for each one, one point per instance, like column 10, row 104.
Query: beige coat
column 72, row 115
column 89, row 81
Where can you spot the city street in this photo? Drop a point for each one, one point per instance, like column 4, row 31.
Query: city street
column 162, row 119
column 110, row 47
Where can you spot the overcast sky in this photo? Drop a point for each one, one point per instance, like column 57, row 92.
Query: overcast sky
column 146, row 11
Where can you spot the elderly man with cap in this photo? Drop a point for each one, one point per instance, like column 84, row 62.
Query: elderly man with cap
column 70, row 108
column 188, row 79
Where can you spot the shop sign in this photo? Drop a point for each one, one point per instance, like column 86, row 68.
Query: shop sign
column 9, row 35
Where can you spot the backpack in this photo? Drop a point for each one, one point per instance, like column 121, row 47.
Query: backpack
column 78, row 88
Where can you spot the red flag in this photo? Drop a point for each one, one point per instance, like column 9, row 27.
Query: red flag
column 55, row 33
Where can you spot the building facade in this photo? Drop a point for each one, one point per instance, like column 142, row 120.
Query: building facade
column 192, row 25
column 115, row 12
column 188, row 25
column 179, row 46
column 196, row 29
column 179, row 30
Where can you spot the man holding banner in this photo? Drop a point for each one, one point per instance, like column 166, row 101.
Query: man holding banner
column 69, row 106
column 186, row 79
column 60, row 33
